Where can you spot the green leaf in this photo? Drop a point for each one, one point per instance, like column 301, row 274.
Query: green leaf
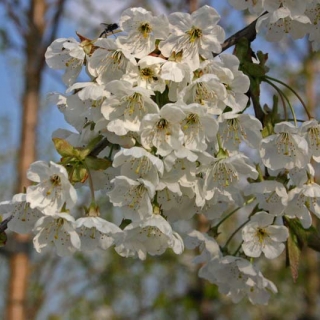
column 241, row 49
column 253, row 69
column 97, row 163
column 299, row 238
column 84, row 152
column 79, row 174
column 313, row 238
column 271, row 118
column 3, row 239
column 64, row 148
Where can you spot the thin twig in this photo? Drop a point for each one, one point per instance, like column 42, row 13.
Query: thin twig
column 15, row 18
column 52, row 33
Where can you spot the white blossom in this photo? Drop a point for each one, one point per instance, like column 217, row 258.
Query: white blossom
column 134, row 195
column 23, row 217
column 177, row 75
column 254, row 6
column 281, row 22
column 311, row 131
column 143, row 29
column 96, row 232
column 294, row 7
column 302, row 201
column 237, row 128
column 237, row 277
column 223, row 173
column 235, row 81
column 198, row 127
column 207, row 91
column 66, row 54
column 138, row 163
column 284, row 149
column 313, row 13
column 163, row 130
column 194, row 35
column 109, row 62
column 58, row 231
column 152, row 235
column 208, row 246
column 270, row 195
column 126, row 107
column 53, row 188
column 260, row 236
column 146, row 74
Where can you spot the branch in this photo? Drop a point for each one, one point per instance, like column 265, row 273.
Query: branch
column 15, row 18
column 53, row 32
column 55, row 22
column 99, row 147
column 248, row 32
column 4, row 224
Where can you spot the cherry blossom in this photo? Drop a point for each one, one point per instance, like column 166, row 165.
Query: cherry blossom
column 127, row 106
column 237, row 277
column 284, row 149
column 58, row 231
column 134, row 195
column 194, row 35
column 23, row 217
column 66, row 54
column 259, row 235
column 163, row 130
column 143, row 29
column 109, row 61
column 53, row 188
column 96, row 232
column 152, row 235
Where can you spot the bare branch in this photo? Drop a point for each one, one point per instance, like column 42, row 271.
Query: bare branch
column 99, row 147
column 248, row 32
column 15, row 19
column 4, row 224
column 52, row 35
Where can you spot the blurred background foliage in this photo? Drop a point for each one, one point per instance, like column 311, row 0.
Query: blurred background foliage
column 101, row 285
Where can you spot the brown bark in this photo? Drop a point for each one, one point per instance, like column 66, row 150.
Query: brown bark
column 35, row 47
column 193, row 5
column 19, row 259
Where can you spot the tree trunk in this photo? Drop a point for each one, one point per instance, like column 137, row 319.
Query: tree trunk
column 35, row 47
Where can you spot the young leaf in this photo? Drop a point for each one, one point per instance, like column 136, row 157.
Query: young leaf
column 97, row 163
column 293, row 254
column 64, row 148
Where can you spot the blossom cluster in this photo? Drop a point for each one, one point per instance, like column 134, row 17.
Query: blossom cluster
column 181, row 141
column 279, row 17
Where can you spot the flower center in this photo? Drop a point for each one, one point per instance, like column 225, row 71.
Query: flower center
column 145, row 29
column 285, row 145
column 202, row 94
column 234, row 131
column 224, row 174
column 134, row 104
column 314, row 137
column 162, row 124
column 261, row 234
column 148, row 74
column 194, row 34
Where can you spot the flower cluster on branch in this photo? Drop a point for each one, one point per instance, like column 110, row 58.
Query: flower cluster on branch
column 168, row 128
